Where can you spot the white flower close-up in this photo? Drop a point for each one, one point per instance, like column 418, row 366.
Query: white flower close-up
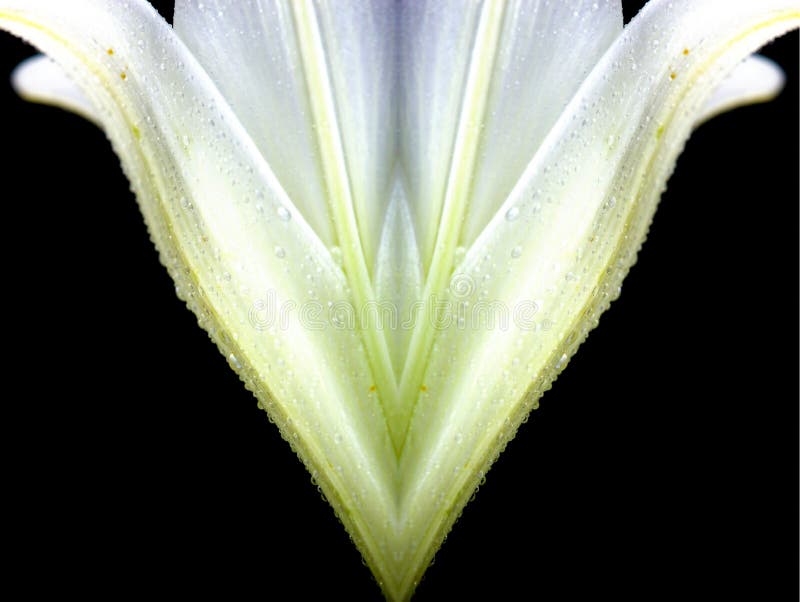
column 398, row 220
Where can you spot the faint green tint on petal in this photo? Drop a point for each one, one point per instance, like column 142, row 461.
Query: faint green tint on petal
column 217, row 215
column 312, row 156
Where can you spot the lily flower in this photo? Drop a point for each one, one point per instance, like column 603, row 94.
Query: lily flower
column 398, row 220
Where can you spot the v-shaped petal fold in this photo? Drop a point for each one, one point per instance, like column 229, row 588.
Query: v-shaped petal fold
column 299, row 163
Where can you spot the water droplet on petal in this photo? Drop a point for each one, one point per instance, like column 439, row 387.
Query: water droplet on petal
column 512, row 214
column 280, row 253
column 516, row 252
column 234, row 361
column 283, row 214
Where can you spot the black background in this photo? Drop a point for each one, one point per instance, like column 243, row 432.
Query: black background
column 664, row 461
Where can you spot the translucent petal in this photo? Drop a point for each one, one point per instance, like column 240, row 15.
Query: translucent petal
column 259, row 43
column 331, row 151
column 398, row 276
column 483, row 84
column 243, row 258
column 251, row 52
column 546, row 51
column 553, row 257
column 265, row 281
column 435, row 44
column 39, row 79
column 360, row 46
column 756, row 79
column 495, row 73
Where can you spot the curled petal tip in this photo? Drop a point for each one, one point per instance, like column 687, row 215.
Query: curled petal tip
column 756, row 79
column 40, row 79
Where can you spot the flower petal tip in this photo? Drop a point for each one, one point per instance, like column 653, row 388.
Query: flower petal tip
column 39, row 79
column 756, row 79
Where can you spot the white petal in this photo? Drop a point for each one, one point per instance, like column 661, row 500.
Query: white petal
column 259, row 44
column 360, row 46
column 331, row 153
column 553, row 257
column 398, row 274
column 756, row 79
column 483, row 84
column 435, row 42
column 242, row 256
column 546, row 51
column 39, row 79
column 230, row 235
column 494, row 74
column 250, row 51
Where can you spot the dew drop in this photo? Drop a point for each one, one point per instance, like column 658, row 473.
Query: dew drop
column 283, row 214
column 336, row 255
column 512, row 214
column 234, row 362
column 280, row 253
column 516, row 252
column 561, row 361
